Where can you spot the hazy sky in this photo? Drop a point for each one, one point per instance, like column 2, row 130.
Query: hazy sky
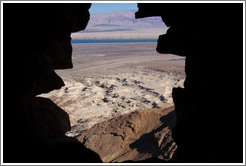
column 109, row 7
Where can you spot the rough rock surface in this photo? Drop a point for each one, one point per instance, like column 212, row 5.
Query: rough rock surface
column 134, row 136
column 209, row 36
column 93, row 99
column 37, row 41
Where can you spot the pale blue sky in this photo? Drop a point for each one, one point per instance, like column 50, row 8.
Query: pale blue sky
column 109, row 7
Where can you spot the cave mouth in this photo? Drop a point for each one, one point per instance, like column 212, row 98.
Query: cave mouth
column 109, row 82
column 35, row 127
column 116, row 75
column 116, row 70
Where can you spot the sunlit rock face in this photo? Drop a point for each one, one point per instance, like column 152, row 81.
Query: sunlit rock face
column 37, row 41
column 212, row 51
column 135, row 136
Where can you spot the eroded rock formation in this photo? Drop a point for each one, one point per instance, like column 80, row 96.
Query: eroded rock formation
column 134, row 136
column 210, row 37
column 37, row 41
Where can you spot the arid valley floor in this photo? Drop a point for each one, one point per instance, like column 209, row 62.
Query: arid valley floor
column 110, row 80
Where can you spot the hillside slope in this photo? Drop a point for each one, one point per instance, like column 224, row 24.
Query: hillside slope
column 121, row 24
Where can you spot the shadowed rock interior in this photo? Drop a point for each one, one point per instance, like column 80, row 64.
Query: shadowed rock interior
column 209, row 122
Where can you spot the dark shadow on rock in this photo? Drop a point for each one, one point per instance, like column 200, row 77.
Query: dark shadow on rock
column 150, row 160
column 209, row 125
column 209, row 128
column 148, row 143
column 39, row 136
column 36, row 42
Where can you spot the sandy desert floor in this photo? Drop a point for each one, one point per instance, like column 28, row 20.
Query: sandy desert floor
column 112, row 79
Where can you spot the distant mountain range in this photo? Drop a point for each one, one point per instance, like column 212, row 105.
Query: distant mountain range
column 121, row 24
column 124, row 19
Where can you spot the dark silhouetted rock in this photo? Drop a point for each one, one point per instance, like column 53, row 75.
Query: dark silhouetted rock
column 209, row 128
column 37, row 41
column 210, row 37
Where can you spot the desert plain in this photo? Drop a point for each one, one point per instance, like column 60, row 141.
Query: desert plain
column 109, row 80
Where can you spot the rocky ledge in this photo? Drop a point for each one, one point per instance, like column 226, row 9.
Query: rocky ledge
column 134, row 136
